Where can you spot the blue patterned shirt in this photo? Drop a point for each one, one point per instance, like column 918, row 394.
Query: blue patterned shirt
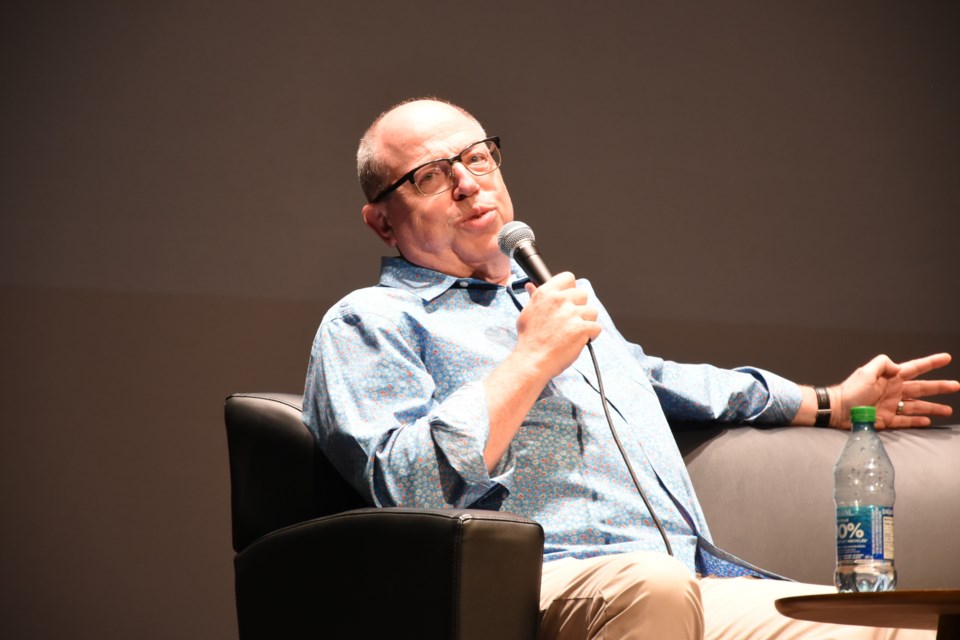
column 394, row 395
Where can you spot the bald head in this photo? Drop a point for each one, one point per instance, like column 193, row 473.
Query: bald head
column 394, row 130
column 453, row 230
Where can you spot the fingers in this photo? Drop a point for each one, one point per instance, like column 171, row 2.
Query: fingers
column 906, row 422
column 884, row 384
column 917, row 413
column 914, row 368
column 560, row 289
column 558, row 308
column 562, row 280
column 924, row 388
column 914, row 408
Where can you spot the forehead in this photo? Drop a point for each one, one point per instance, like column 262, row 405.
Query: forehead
column 419, row 132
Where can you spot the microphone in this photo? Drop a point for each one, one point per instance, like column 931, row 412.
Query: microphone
column 516, row 240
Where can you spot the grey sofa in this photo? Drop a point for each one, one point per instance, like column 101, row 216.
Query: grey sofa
column 312, row 562
column 768, row 497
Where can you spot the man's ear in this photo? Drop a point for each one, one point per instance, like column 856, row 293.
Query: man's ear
column 375, row 217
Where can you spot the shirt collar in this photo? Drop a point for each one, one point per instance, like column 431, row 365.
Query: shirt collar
column 427, row 283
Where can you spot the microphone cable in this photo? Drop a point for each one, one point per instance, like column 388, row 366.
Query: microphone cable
column 623, row 453
column 516, row 240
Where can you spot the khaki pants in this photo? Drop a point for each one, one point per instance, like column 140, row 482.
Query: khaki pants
column 651, row 595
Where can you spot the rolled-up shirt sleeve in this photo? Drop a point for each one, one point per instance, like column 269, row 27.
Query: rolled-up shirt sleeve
column 460, row 426
column 373, row 406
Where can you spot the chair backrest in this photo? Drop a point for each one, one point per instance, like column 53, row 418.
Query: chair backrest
column 278, row 475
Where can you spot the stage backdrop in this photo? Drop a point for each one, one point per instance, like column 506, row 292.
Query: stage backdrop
column 772, row 185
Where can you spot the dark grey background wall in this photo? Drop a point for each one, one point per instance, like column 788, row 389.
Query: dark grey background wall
column 771, row 184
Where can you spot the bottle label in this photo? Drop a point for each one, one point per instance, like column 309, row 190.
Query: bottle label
column 865, row 533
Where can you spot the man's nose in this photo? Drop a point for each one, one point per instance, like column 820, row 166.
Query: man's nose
column 464, row 183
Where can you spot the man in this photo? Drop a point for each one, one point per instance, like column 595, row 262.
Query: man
column 456, row 382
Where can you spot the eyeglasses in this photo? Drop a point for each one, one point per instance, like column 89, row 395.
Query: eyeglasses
column 436, row 176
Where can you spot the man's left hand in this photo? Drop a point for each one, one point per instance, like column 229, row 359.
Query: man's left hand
column 894, row 390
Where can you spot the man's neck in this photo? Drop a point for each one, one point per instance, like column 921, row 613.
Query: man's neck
column 494, row 271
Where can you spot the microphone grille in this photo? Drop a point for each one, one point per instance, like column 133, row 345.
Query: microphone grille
column 512, row 234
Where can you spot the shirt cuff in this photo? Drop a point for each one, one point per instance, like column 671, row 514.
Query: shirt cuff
column 783, row 398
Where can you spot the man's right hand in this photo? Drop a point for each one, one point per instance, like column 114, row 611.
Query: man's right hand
column 553, row 329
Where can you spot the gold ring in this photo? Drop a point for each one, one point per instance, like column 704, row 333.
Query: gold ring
column 900, row 408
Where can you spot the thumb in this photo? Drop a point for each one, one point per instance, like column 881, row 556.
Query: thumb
column 882, row 367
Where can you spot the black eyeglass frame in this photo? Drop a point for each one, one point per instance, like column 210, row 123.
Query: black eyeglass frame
column 408, row 176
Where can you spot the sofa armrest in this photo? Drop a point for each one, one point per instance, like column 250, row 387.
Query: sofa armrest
column 768, row 497
column 451, row 574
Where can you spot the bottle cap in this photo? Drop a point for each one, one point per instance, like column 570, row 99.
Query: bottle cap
column 863, row 414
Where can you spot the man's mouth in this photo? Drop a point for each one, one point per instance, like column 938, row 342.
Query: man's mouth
column 478, row 216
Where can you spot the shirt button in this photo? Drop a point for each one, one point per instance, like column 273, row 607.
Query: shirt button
column 463, row 283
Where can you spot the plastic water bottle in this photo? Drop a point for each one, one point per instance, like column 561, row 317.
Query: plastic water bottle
column 864, row 495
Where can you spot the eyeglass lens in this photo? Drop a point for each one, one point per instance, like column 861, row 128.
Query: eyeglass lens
column 436, row 177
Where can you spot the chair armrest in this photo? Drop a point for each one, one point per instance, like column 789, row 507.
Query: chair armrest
column 450, row 574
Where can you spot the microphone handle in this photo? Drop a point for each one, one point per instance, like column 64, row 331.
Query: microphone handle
column 529, row 259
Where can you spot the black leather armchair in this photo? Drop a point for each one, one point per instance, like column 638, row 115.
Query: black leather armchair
column 313, row 562
column 767, row 493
